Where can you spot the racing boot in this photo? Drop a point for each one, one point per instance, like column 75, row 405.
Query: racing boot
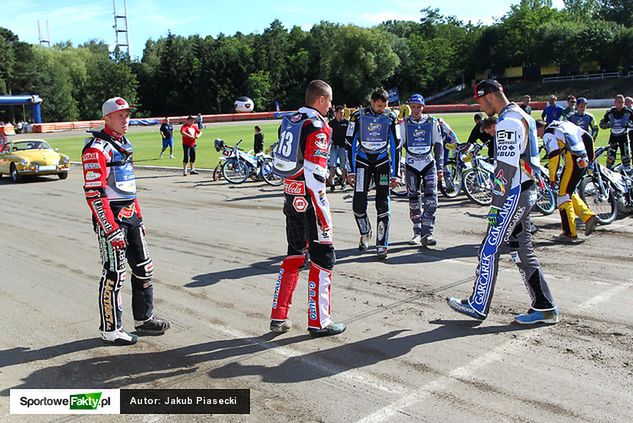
column 462, row 306
column 329, row 330
column 428, row 240
column 381, row 252
column 549, row 317
column 119, row 338
column 590, row 225
column 363, row 245
column 416, row 240
column 566, row 239
column 152, row 326
column 280, row 326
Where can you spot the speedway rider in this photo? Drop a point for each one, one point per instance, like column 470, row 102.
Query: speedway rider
column 575, row 146
column 301, row 159
column 373, row 151
column 110, row 191
column 583, row 118
column 620, row 119
column 514, row 194
column 422, row 142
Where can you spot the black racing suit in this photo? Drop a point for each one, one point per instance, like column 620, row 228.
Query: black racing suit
column 373, row 152
column 620, row 122
column 110, row 191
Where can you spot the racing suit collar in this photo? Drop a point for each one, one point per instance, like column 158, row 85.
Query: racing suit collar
column 310, row 111
column 112, row 133
column 506, row 108
column 423, row 118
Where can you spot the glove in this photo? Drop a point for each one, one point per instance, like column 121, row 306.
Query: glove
column 493, row 216
column 117, row 239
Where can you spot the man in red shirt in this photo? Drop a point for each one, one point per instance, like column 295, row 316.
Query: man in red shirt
column 190, row 132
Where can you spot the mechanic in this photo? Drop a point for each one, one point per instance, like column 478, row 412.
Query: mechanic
column 110, row 191
column 301, row 159
column 477, row 134
column 583, row 118
column 422, row 142
column 374, row 152
column 620, row 119
column 575, row 146
column 514, row 195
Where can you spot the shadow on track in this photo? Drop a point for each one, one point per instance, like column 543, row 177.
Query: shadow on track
column 111, row 370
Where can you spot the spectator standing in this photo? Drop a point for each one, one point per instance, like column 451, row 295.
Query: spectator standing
column 167, row 134
column 552, row 111
column 258, row 143
column 526, row 104
column 199, row 122
column 190, row 132
column 338, row 152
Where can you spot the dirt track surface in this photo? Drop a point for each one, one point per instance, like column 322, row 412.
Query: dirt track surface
column 404, row 357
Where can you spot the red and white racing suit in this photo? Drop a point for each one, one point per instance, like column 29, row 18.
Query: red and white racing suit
column 301, row 158
column 111, row 195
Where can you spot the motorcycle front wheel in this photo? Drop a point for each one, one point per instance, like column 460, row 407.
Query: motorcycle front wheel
column 478, row 186
column 235, row 172
column 268, row 174
column 451, row 182
column 601, row 201
column 545, row 200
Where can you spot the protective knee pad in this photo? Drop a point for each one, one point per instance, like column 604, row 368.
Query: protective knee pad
column 325, row 258
column 285, row 286
column 429, row 204
column 319, row 284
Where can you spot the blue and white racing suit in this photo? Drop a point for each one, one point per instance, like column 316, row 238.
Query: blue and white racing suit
column 422, row 142
column 514, row 195
column 374, row 152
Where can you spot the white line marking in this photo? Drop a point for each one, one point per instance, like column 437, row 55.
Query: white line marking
column 391, row 411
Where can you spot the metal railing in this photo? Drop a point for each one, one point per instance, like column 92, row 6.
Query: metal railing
column 588, row 77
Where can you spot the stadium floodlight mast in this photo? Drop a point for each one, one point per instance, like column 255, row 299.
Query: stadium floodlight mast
column 121, row 29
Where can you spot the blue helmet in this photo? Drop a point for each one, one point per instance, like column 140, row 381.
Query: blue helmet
column 416, row 98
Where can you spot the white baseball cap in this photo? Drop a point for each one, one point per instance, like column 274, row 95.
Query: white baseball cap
column 114, row 105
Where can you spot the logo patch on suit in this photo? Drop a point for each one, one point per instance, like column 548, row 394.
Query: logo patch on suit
column 300, row 204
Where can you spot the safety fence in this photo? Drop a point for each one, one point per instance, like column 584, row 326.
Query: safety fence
column 588, row 77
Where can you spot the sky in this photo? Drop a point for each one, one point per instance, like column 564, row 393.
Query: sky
column 82, row 20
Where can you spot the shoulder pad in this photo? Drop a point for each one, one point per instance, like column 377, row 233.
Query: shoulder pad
column 317, row 123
